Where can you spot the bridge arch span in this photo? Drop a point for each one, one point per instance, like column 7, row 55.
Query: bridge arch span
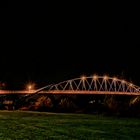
column 92, row 85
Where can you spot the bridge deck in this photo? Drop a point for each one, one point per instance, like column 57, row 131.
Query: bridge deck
column 68, row 92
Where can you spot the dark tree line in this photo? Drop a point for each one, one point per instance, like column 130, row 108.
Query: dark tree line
column 107, row 104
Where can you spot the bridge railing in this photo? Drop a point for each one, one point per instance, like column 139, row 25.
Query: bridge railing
column 17, row 91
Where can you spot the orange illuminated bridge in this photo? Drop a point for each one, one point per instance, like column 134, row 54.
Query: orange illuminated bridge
column 85, row 85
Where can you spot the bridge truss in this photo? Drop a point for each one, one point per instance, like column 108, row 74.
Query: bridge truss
column 92, row 85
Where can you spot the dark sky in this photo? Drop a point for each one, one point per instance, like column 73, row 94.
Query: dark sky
column 51, row 45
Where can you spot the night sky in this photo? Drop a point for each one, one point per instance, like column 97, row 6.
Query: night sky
column 51, row 45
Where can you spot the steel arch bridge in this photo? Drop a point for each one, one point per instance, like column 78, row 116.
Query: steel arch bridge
column 91, row 85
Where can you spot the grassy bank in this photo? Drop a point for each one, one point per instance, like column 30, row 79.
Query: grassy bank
column 20, row 125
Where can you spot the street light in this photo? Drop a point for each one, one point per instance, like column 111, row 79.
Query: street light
column 114, row 79
column 130, row 84
column 123, row 81
column 95, row 77
column 30, row 87
column 83, row 77
column 105, row 77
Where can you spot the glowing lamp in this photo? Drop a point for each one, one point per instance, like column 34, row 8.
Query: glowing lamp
column 30, row 86
column 105, row 77
column 83, row 77
column 123, row 81
column 95, row 77
column 114, row 79
column 131, row 85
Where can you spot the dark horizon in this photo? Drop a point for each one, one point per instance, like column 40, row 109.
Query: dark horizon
column 50, row 51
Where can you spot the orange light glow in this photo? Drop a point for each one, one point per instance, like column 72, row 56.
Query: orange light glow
column 123, row 81
column 83, row 77
column 131, row 85
column 105, row 77
column 95, row 77
column 114, row 79
column 30, row 86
